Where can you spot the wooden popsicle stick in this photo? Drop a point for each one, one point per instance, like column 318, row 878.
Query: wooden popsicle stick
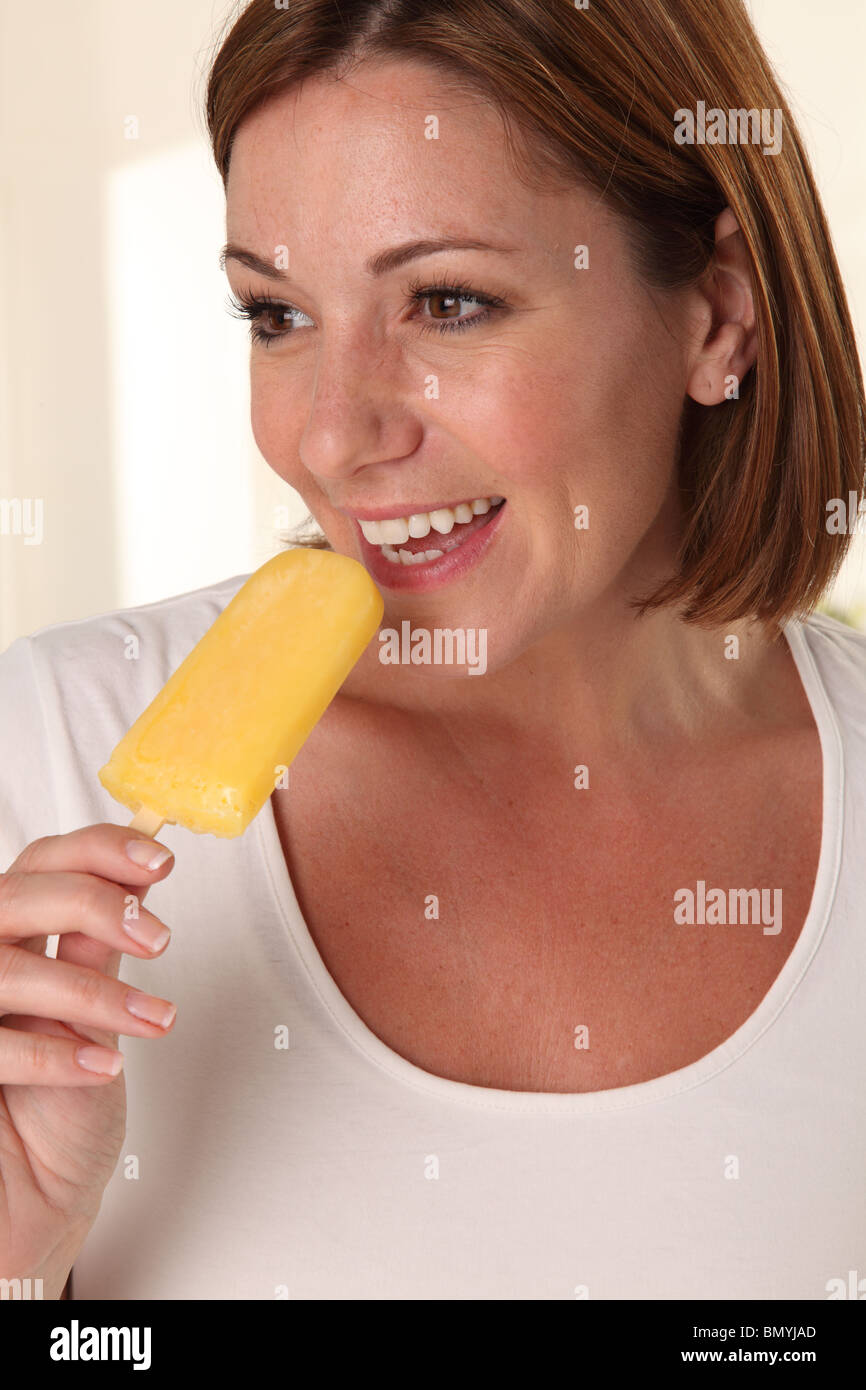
column 148, row 822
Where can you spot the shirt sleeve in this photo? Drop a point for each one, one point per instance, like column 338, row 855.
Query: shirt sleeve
column 28, row 801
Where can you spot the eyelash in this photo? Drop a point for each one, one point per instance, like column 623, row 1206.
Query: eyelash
column 255, row 307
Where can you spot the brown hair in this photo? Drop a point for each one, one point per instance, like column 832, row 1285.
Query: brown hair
column 596, row 91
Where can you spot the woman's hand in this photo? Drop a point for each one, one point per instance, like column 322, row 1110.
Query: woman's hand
column 62, row 1101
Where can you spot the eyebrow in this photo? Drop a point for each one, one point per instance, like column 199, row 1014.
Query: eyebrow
column 380, row 264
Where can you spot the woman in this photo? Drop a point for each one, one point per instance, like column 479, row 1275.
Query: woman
column 539, row 985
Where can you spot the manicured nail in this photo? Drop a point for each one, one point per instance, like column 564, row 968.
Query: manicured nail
column 147, row 853
column 149, row 934
column 149, row 1008
column 100, row 1059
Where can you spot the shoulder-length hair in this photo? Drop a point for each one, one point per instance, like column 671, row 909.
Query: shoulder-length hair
column 604, row 93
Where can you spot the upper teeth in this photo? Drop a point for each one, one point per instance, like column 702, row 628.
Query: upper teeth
column 398, row 529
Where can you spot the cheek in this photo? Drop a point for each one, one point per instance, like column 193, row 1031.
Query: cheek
column 275, row 428
column 499, row 407
column 596, row 429
column 618, row 421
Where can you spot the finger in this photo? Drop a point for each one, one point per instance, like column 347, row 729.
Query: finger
column 109, row 851
column 78, row 996
column 32, row 1058
column 79, row 949
column 33, row 904
column 30, row 1023
column 104, row 850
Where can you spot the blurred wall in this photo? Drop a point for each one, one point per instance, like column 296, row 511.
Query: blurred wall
column 124, row 396
column 123, row 382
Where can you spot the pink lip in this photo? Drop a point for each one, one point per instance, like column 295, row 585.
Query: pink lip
column 433, row 574
column 411, row 509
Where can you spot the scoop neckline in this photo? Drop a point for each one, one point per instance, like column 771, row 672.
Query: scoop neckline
column 659, row 1088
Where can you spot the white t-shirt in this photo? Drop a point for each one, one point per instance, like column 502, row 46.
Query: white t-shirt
column 336, row 1169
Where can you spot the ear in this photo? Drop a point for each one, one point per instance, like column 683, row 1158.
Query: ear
column 730, row 345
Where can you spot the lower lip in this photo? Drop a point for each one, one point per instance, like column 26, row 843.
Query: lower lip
column 433, row 574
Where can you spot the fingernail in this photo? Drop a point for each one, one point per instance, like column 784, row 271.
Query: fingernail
column 100, row 1059
column 147, row 853
column 149, row 1008
column 149, row 934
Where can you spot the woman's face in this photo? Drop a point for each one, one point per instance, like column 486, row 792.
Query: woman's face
column 379, row 397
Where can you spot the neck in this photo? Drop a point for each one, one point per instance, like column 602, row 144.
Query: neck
column 610, row 683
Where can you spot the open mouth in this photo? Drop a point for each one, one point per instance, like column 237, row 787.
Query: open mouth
column 425, row 537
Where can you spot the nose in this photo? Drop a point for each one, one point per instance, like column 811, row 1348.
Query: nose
column 361, row 408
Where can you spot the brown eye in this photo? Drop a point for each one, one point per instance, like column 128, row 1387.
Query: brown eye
column 451, row 305
column 276, row 319
column 268, row 319
column 448, row 305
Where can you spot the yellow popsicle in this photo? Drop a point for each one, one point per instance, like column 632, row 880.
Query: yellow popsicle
column 207, row 751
